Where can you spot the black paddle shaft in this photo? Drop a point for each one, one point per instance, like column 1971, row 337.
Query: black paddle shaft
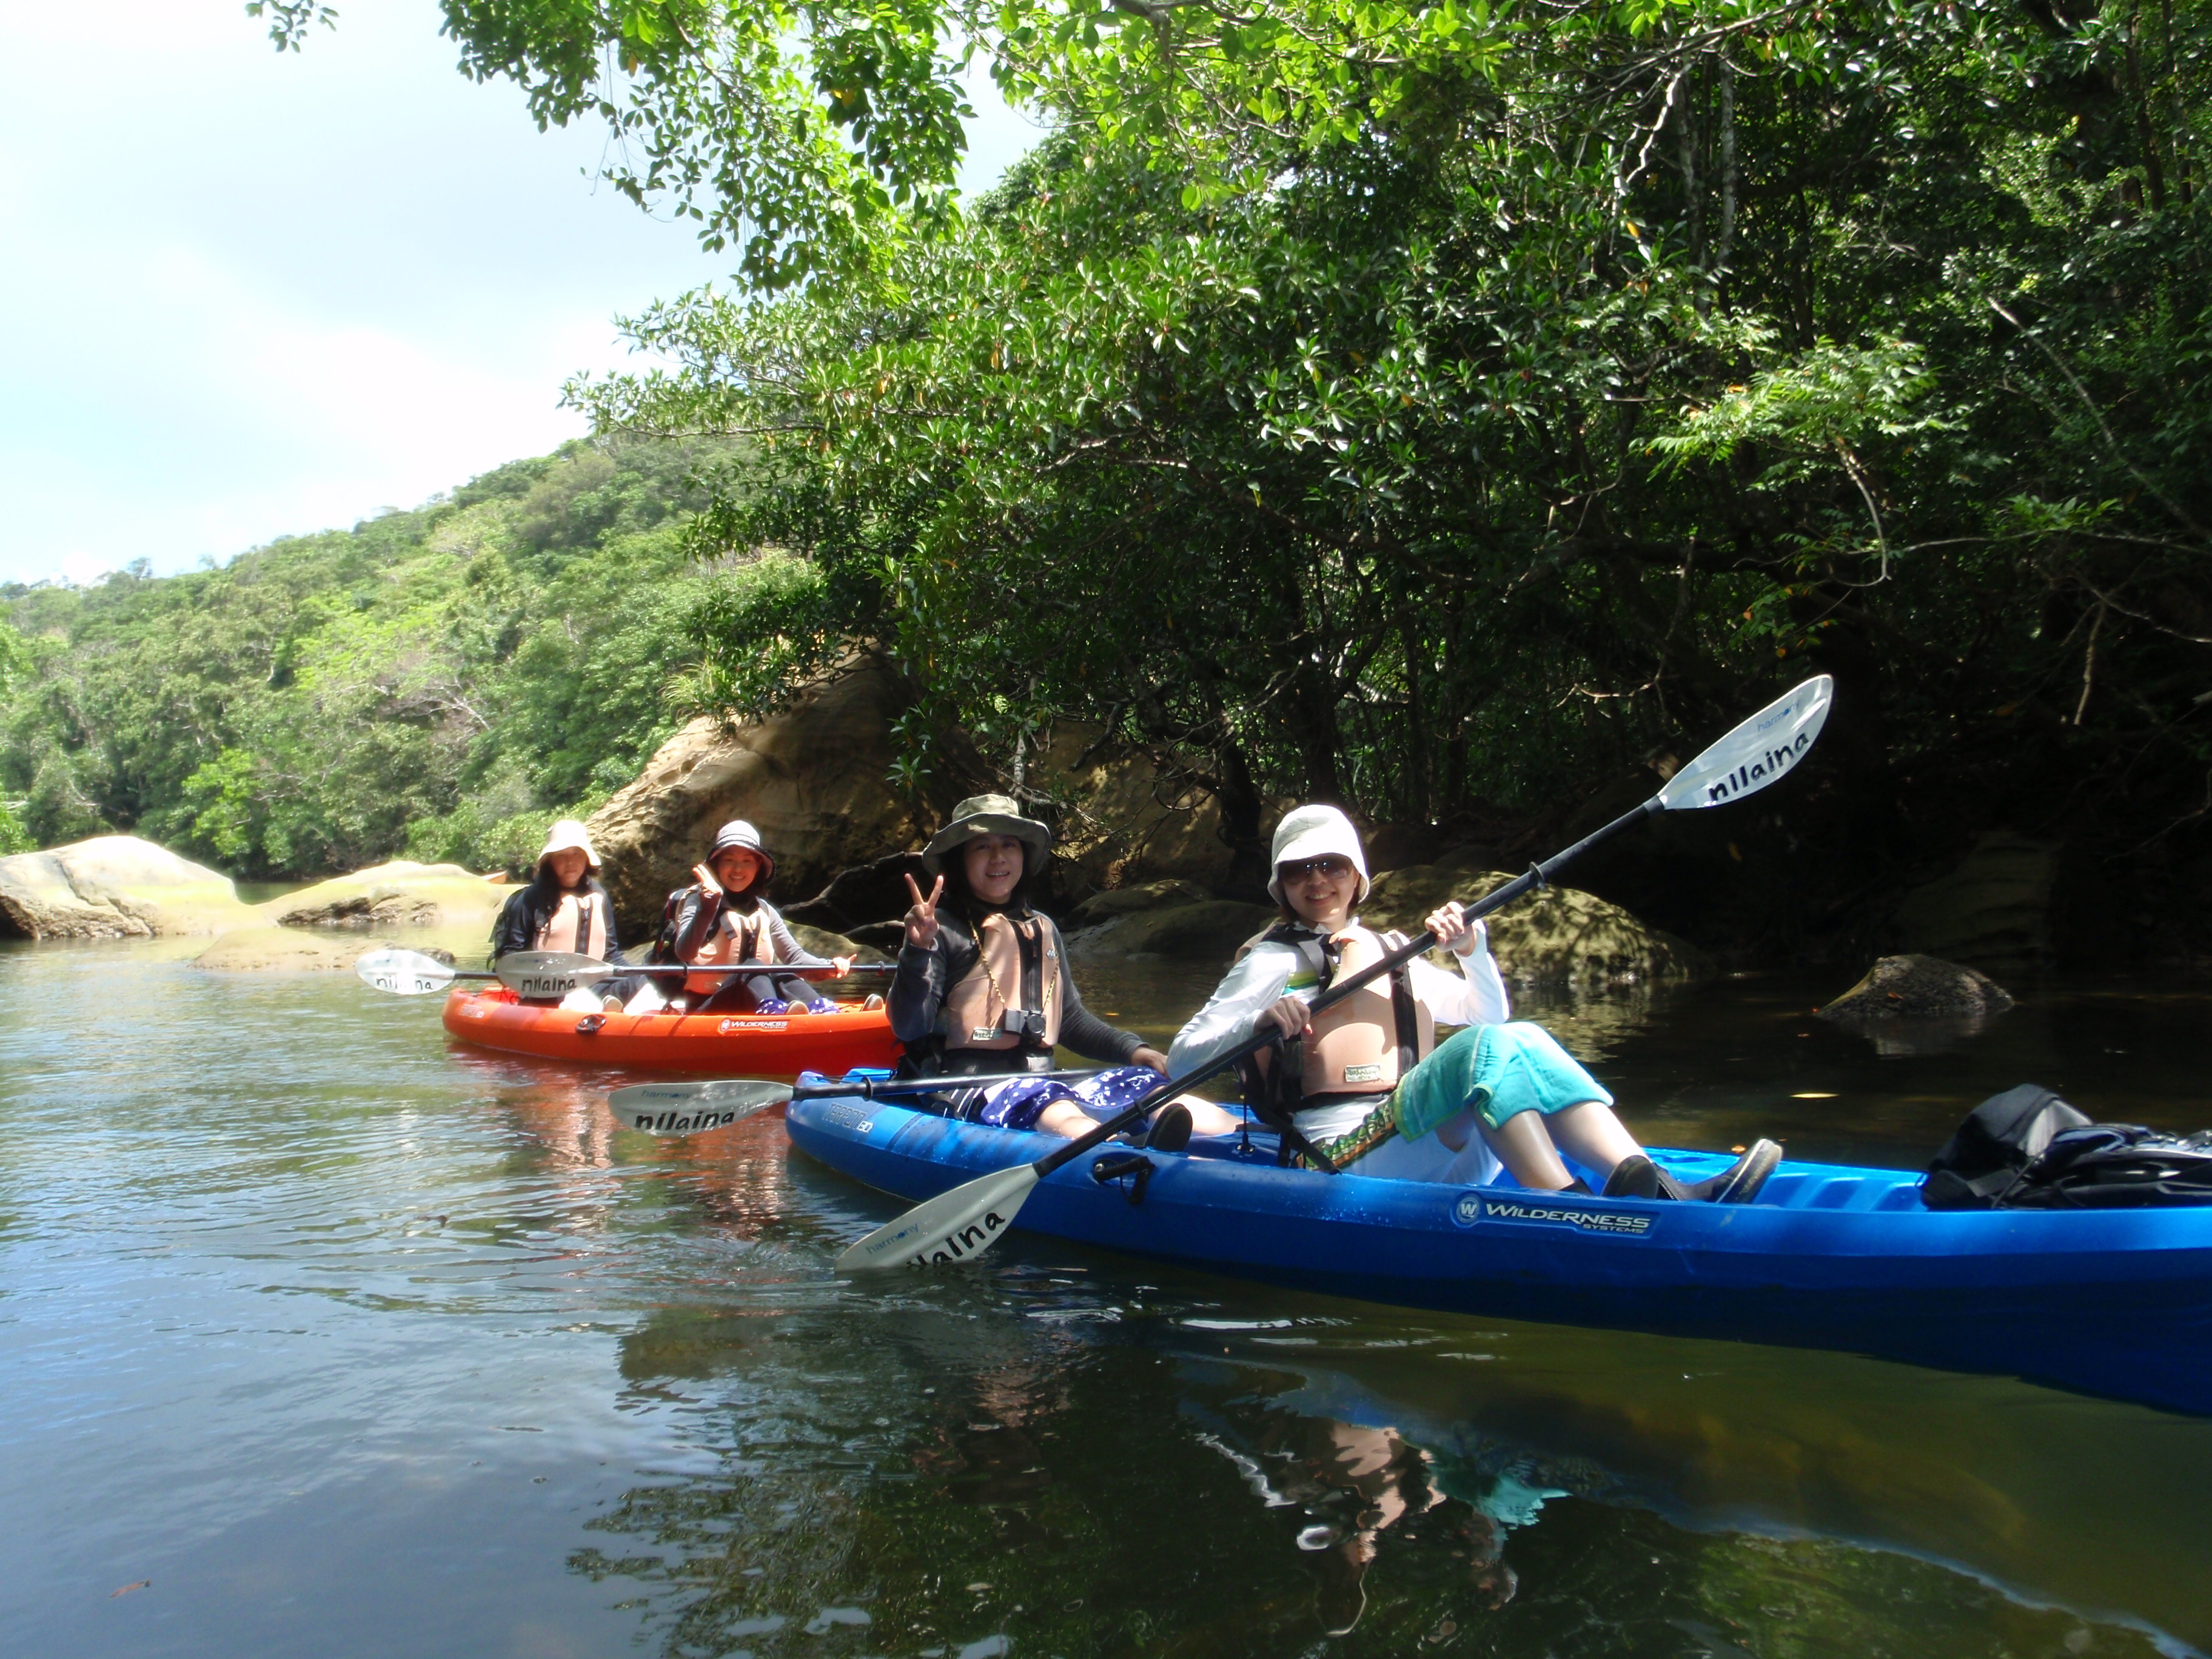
column 1535, row 876
column 871, row 1088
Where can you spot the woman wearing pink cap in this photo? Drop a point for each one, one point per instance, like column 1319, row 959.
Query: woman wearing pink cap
column 724, row 918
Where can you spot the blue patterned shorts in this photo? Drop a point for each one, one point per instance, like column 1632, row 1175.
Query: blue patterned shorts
column 1018, row 1105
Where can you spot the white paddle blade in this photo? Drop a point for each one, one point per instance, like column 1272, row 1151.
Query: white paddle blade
column 693, row 1108
column 548, row 974
column 404, row 973
column 1764, row 747
column 953, row 1226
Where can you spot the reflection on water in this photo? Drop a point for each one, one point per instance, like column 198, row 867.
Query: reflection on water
column 336, row 1338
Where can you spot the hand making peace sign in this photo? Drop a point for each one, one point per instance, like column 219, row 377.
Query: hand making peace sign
column 921, row 919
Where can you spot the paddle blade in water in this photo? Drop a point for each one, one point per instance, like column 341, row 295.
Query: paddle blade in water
column 548, row 974
column 694, row 1109
column 953, row 1226
column 1764, row 747
column 404, row 973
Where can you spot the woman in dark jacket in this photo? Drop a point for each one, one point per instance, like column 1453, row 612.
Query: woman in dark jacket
column 983, row 987
column 564, row 909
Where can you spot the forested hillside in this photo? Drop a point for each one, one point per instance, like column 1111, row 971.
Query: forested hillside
column 438, row 682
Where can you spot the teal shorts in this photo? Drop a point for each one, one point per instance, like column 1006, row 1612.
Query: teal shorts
column 1500, row 1071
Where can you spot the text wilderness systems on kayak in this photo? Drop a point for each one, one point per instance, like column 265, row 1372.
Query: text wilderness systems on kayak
column 1473, row 1207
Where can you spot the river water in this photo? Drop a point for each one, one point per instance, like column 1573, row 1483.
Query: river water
column 320, row 1335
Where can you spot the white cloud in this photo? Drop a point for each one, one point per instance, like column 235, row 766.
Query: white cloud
column 248, row 295
column 81, row 570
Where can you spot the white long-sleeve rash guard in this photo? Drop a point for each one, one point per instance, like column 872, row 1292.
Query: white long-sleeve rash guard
column 1476, row 996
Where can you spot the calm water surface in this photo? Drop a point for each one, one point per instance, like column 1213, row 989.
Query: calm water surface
column 319, row 1335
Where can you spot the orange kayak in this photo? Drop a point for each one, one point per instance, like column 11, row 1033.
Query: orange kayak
column 751, row 1045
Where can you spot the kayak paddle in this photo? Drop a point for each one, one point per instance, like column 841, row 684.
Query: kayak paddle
column 549, row 973
column 694, row 1109
column 967, row 1220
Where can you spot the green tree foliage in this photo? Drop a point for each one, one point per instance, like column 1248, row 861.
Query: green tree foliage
column 1399, row 403
column 441, row 680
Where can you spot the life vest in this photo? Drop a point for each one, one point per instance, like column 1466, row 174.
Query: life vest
column 578, row 923
column 1007, row 953
column 735, row 938
column 1364, row 1043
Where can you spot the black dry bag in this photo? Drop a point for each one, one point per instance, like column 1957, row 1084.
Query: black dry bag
column 2000, row 1138
column 2026, row 1149
column 2116, row 1166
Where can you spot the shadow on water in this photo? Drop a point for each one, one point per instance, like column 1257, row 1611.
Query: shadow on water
column 1065, row 1457
column 319, row 1334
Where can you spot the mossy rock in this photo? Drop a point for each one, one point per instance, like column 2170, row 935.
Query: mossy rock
column 1919, row 988
column 1557, row 935
column 272, row 949
column 822, row 943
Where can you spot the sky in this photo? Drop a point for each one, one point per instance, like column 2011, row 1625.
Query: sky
column 246, row 294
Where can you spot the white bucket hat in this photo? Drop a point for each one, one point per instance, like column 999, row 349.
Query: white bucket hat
column 739, row 833
column 1314, row 832
column 565, row 834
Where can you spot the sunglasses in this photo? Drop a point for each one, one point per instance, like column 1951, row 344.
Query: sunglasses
column 1334, row 868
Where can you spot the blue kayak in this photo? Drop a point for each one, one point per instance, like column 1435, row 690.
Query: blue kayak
column 2112, row 1302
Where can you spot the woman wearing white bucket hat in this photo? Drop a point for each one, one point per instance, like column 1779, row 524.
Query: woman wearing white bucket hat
column 983, row 986
column 723, row 917
column 1366, row 1082
column 564, row 909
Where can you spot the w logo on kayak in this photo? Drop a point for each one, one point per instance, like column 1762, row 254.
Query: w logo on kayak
column 971, row 1239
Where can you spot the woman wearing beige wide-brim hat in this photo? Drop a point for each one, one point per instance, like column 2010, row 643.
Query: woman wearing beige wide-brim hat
column 983, row 987
column 563, row 908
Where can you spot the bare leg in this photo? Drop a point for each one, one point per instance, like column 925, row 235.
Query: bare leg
column 1067, row 1119
column 1209, row 1119
column 1591, row 1135
column 1527, row 1151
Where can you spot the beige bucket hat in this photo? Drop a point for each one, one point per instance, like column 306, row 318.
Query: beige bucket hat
column 1313, row 832
column 565, row 834
column 984, row 815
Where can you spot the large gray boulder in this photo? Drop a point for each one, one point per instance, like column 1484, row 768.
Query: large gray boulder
column 814, row 780
column 115, row 887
